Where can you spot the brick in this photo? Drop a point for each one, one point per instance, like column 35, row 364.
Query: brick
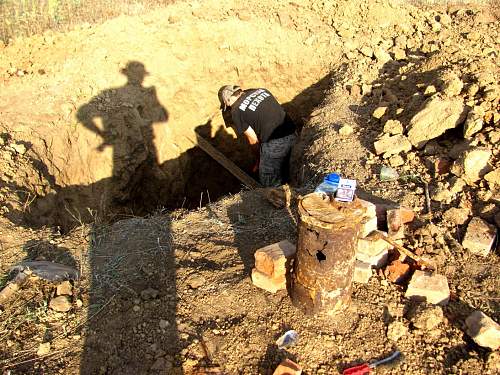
column 407, row 214
column 430, row 287
column 288, row 367
column 397, row 271
column 263, row 281
column 483, row 330
column 271, row 260
column 371, row 209
column 479, row 237
column 368, row 225
column 373, row 250
column 362, row 272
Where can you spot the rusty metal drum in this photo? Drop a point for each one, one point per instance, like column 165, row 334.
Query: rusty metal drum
column 326, row 254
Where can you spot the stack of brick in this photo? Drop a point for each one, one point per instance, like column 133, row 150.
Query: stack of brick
column 271, row 266
column 371, row 252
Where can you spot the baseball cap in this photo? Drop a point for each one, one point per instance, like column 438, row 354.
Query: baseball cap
column 225, row 92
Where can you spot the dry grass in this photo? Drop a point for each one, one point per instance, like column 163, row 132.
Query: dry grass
column 26, row 17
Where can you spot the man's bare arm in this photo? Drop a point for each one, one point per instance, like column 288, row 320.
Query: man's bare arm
column 254, row 145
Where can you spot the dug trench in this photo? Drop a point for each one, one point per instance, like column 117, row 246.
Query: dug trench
column 117, row 140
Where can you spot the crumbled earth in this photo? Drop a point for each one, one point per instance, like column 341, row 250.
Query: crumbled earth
column 171, row 292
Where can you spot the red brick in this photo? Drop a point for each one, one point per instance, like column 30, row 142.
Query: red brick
column 397, row 271
column 271, row 259
column 288, row 367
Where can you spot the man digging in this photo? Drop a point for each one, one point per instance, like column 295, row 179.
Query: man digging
column 271, row 133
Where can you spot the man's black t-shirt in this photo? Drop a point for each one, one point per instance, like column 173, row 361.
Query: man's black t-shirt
column 259, row 109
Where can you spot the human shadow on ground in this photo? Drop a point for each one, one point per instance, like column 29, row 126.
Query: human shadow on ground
column 129, row 269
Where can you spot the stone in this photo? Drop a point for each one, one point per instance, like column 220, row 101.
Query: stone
column 366, row 89
column 472, row 164
column 263, row 281
column 395, row 224
column 436, row 116
column 43, row 349
column 381, row 55
column 493, row 177
column 149, row 293
column 288, row 367
column 362, row 272
column 430, row 90
column 163, row 324
column 368, row 225
column 442, row 193
column 397, row 271
column 346, row 130
column 367, row 51
column 271, row 260
column 474, row 122
column 427, row 317
column 494, row 136
column 60, row 304
column 396, row 161
column 393, row 127
column 453, row 85
column 432, row 288
column 379, row 112
column 396, row 330
column 457, row 216
column 399, row 54
column 196, row 281
column 483, row 330
column 19, row 148
column 441, row 166
column 64, row 289
column 161, row 364
column 392, row 145
column 479, row 237
column 457, row 185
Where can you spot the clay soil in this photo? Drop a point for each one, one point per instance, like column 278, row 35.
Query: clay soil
column 90, row 144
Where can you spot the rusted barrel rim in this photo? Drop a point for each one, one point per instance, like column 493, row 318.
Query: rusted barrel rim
column 350, row 212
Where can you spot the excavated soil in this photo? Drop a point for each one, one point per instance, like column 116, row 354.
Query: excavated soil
column 95, row 129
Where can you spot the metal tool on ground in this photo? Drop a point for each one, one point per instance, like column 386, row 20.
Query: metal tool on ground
column 365, row 368
column 404, row 251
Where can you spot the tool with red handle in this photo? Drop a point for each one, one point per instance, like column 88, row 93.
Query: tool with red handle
column 365, row 368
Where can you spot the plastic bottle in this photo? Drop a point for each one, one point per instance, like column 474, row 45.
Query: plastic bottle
column 289, row 338
column 329, row 185
column 388, row 174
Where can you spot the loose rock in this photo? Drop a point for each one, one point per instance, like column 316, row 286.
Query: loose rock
column 483, row 330
column 479, row 237
column 396, row 330
column 64, row 289
column 472, row 165
column 437, row 116
column 427, row 317
column 392, row 145
column 60, row 304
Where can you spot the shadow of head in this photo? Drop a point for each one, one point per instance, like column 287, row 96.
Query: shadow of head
column 135, row 72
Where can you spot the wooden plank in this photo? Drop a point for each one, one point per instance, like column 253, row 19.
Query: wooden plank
column 224, row 161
